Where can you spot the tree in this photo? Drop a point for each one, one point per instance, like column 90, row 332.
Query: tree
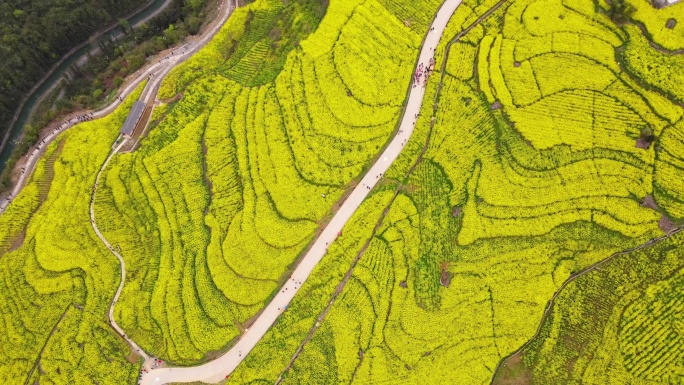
column 94, row 44
column 135, row 61
column 125, row 25
column 171, row 35
column 620, row 11
column 193, row 23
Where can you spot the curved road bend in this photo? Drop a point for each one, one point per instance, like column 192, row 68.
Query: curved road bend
column 82, row 60
column 155, row 70
column 158, row 71
column 146, row 95
column 218, row 369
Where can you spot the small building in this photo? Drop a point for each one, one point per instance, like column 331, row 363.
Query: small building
column 133, row 118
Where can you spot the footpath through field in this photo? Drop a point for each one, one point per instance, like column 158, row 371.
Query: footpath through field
column 155, row 72
column 219, row 368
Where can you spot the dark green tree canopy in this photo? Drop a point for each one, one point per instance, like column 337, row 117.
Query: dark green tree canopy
column 35, row 34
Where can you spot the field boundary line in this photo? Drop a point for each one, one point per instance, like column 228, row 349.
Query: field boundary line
column 122, row 264
column 340, row 287
column 150, row 91
column 222, row 366
column 47, row 340
column 596, row 266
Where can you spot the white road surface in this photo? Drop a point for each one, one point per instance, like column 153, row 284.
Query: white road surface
column 118, row 256
column 219, row 368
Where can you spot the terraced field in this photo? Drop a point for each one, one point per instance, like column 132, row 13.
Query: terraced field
column 619, row 324
column 57, row 278
column 526, row 172
column 214, row 208
column 550, row 138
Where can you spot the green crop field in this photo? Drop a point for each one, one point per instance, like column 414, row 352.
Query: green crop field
column 57, row 278
column 528, row 174
column 620, row 324
column 229, row 188
column 550, row 138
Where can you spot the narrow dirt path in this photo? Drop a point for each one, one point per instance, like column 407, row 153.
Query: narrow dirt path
column 40, row 354
column 339, row 289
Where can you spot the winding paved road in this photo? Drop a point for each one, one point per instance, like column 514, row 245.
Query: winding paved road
column 155, row 71
column 219, row 368
column 82, row 60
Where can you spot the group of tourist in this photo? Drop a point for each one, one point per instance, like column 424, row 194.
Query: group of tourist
column 155, row 363
column 61, row 126
column 423, row 73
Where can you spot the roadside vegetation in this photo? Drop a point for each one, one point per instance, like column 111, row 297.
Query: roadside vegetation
column 109, row 62
column 35, row 36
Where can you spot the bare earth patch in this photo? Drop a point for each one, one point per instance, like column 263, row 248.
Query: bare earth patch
column 513, row 372
column 643, row 143
column 445, row 278
column 671, row 23
column 650, row 202
column 19, row 241
column 666, row 224
column 175, row 98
